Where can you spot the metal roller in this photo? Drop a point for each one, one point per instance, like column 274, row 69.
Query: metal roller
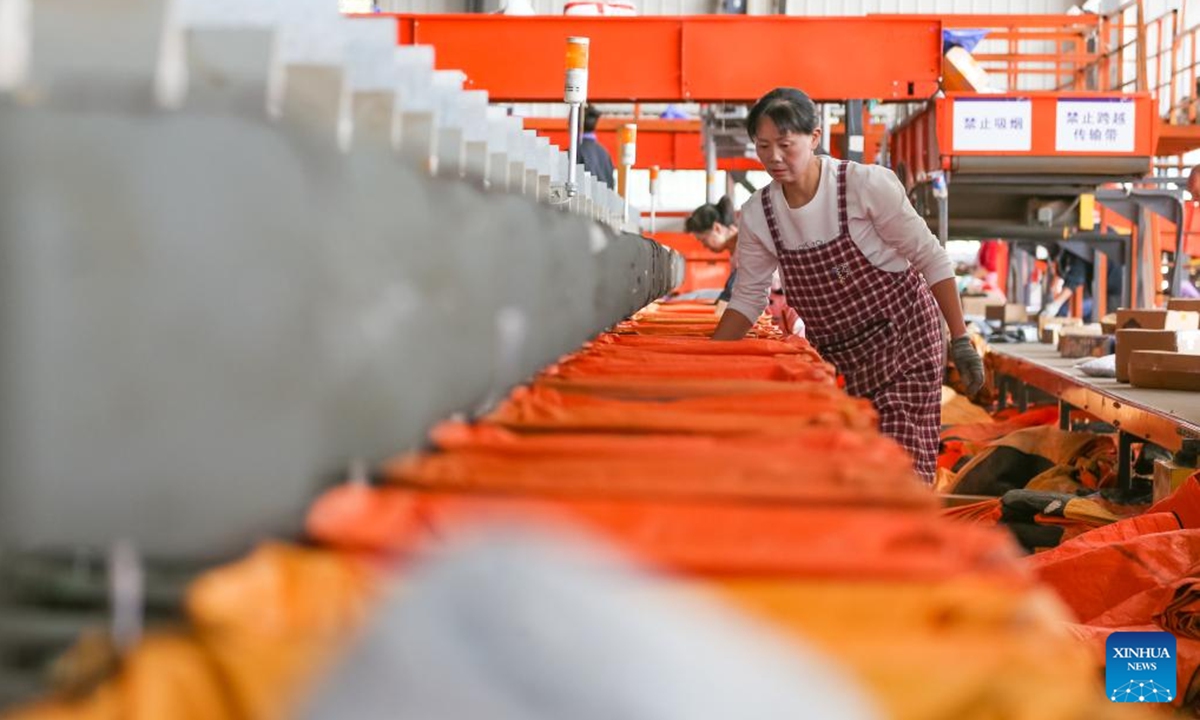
column 1103, row 167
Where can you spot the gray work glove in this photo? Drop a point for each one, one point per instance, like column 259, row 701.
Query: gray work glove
column 968, row 363
column 1051, row 309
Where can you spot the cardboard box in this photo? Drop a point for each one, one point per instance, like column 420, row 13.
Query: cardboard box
column 1157, row 320
column 1164, row 370
column 978, row 305
column 1006, row 314
column 1053, row 334
column 1045, row 322
column 1075, row 341
column 1177, row 341
column 1168, row 477
column 961, row 72
column 1184, row 304
column 1081, row 345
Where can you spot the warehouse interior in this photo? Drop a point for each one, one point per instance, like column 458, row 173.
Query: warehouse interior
column 449, row 359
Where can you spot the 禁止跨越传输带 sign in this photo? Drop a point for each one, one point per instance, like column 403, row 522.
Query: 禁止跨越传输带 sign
column 1095, row 125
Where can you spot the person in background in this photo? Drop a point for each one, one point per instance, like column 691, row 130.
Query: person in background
column 592, row 155
column 1073, row 272
column 715, row 227
column 674, row 112
column 859, row 266
column 1188, row 288
column 989, row 263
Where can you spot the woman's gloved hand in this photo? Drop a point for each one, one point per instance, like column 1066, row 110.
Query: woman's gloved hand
column 1051, row 309
column 968, row 363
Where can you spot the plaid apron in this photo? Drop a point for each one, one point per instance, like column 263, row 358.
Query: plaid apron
column 882, row 330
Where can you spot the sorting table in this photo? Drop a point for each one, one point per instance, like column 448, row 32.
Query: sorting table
column 1164, row 417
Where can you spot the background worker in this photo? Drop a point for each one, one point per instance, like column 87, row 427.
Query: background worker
column 715, row 227
column 1072, row 273
column 859, row 266
column 592, row 155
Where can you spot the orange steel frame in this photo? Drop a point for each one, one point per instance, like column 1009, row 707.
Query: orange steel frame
column 924, row 143
column 1164, row 60
column 894, row 58
column 1069, row 33
column 704, row 269
column 1092, row 53
column 1129, row 55
column 675, row 144
column 669, row 144
column 695, row 58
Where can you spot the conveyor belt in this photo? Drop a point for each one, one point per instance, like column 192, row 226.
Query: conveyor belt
column 1164, row 417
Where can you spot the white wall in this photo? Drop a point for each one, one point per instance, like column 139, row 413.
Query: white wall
column 426, row 6
column 684, row 189
column 862, row 7
column 552, row 7
column 794, row 7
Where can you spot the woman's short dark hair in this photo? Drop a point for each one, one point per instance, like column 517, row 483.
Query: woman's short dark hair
column 704, row 217
column 790, row 109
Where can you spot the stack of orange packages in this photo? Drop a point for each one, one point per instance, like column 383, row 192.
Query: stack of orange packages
column 739, row 469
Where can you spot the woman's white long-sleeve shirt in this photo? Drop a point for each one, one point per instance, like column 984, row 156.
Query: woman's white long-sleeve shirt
column 883, row 224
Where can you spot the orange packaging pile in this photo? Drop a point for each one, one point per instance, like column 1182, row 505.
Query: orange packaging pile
column 742, row 470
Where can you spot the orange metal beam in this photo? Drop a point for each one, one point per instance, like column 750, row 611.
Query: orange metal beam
column 1024, row 22
column 670, row 148
column 1177, row 139
column 662, row 58
column 1070, row 35
column 1191, row 234
column 704, row 270
column 1047, row 58
column 611, row 123
column 675, row 144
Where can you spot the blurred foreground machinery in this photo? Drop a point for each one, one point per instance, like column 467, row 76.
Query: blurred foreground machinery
column 243, row 245
column 226, row 270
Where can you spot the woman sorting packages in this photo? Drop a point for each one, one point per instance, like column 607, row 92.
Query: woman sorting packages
column 861, row 268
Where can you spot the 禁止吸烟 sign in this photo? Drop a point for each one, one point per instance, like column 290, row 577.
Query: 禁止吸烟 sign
column 992, row 124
